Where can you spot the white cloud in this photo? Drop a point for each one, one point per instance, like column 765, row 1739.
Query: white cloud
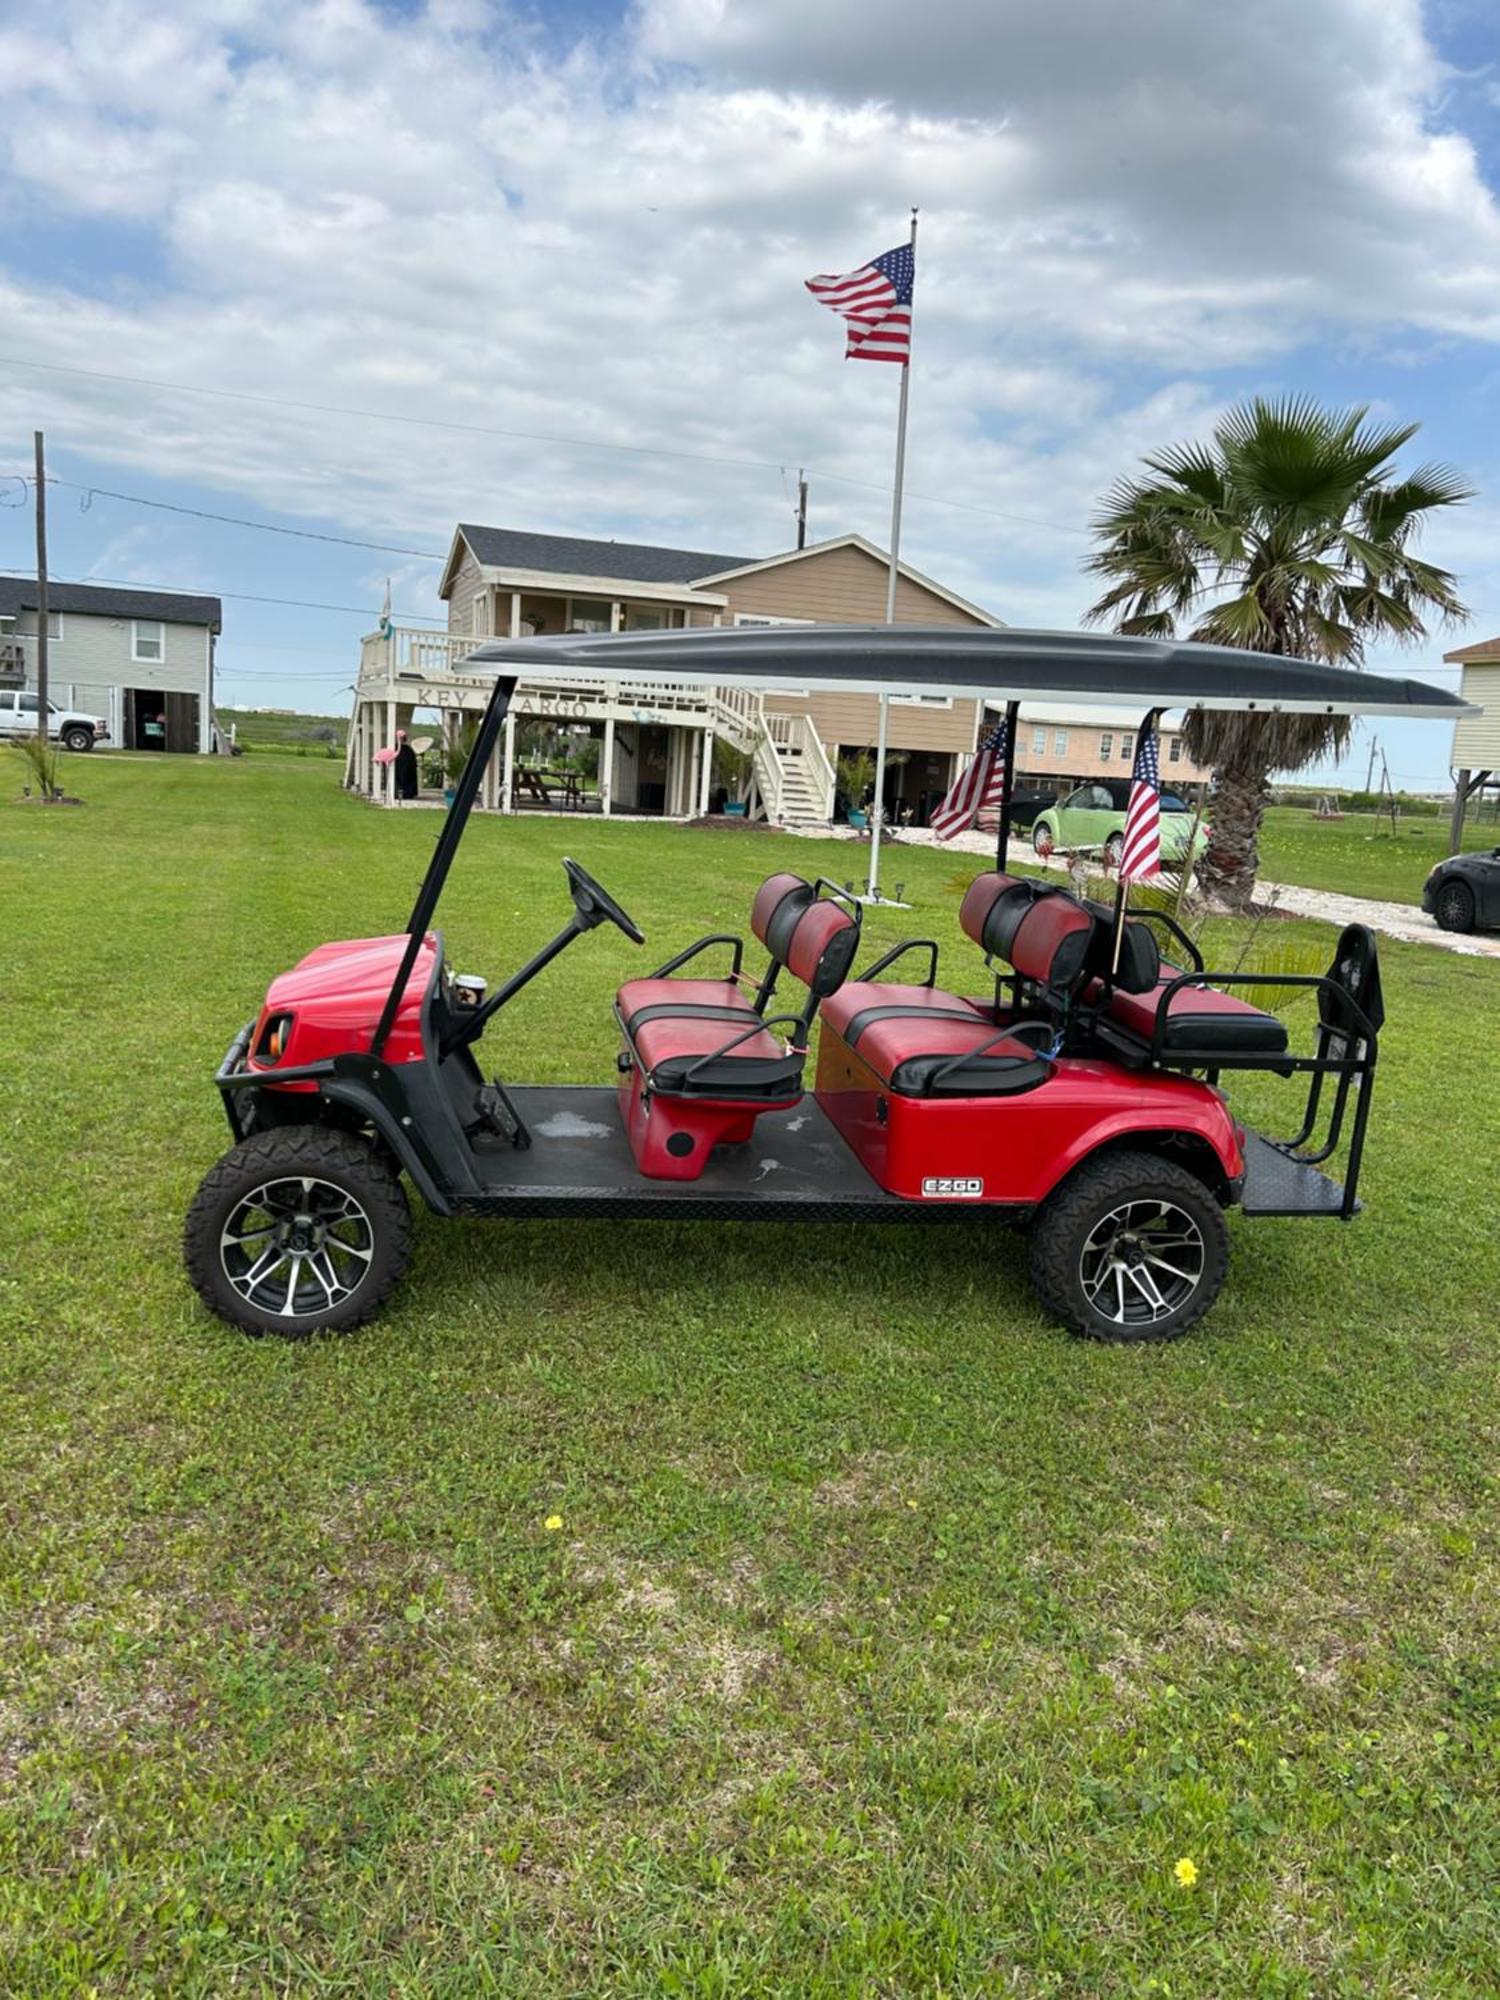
column 436, row 213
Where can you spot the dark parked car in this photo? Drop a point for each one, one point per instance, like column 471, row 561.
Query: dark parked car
column 1463, row 892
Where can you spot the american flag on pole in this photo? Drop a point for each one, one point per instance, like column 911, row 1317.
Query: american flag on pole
column 978, row 788
column 1140, row 856
column 875, row 302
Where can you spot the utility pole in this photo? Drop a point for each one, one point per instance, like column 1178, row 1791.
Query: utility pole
column 801, row 509
column 41, row 589
column 1370, row 773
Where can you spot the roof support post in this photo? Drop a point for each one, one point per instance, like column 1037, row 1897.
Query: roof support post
column 454, row 822
column 1007, row 781
column 607, row 763
column 508, row 782
column 705, row 778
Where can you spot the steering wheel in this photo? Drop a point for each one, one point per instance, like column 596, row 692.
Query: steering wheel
column 594, row 904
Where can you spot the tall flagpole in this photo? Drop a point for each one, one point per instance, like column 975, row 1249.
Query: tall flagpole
column 877, row 816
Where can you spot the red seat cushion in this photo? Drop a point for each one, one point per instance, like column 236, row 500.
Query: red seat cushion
column 670, row 1045
column 907, row 1034
column 638, row 993
column 910, row 1052
column 1199, row 1018
column 860, row 994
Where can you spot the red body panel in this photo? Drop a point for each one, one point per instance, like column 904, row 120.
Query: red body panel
column 335, row 996
column 1016, row 1148
column 673, row 1137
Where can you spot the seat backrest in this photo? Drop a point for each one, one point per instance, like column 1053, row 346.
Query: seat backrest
column 1052, row 942
column 814, row 937
column 1042, row 932
column 993, row 907
column 1139, row 967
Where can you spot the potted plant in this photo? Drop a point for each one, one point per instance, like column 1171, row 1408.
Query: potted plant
column 454, row 754
column 855, row 772
column 731, row 770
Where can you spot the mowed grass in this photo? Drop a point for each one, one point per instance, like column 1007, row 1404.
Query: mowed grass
column 1359, row 855
column 892, row 1642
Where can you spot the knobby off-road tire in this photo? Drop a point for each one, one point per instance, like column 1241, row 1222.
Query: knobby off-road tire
column 1114, row 1233
column 1455, row 907
column 297, row 1231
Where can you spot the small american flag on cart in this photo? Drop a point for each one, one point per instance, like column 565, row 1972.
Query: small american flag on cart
column 875, row 304
column 978, row 789
column 1140, row 855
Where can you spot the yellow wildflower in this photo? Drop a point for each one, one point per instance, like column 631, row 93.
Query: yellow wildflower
column 1186, row 1872
column 552, row 1523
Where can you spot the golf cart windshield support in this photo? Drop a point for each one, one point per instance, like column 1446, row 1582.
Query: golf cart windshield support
column 455, row 821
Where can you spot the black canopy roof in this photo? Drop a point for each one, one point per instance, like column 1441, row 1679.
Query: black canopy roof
column 975, row 662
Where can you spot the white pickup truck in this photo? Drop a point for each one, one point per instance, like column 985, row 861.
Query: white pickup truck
column 18, row 713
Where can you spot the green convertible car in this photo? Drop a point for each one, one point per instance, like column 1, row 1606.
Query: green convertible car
column 1093, row 816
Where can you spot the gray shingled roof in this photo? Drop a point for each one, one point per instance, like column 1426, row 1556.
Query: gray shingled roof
column 634, row 562
column 100, row 600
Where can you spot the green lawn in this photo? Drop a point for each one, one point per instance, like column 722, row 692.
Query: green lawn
column 892, row 1641
column 1359, row 855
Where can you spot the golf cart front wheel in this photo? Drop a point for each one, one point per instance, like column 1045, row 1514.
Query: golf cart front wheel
column 1130, row 1247
column 298, row 1230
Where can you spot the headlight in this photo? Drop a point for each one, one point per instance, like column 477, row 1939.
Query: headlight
column 273, row 1042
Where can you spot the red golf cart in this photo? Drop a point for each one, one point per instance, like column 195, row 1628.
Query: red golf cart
column 1066, row 1073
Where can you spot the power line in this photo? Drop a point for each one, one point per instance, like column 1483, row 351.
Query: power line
column 230, row 520
column 528, row 437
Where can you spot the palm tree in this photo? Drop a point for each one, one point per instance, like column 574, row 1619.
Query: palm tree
column 1289, row 533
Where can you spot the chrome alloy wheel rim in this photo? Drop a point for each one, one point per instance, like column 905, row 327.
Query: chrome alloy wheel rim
column 296, row 1247
column 1142, row 1262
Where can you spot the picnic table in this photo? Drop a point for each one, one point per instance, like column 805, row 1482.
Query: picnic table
column 539, row 785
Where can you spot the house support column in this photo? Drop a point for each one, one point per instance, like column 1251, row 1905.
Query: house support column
column 607, row 764
column 508, row 782
column 706, row 772
column 515, row 621
column 1466, row 783
column 389, row 788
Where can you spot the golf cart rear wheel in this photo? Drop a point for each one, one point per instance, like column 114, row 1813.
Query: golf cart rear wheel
column 1455, row 907
column 296, row 1231
column 1130, row 1247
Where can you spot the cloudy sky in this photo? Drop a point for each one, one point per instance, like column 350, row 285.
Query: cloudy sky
column 542, row 267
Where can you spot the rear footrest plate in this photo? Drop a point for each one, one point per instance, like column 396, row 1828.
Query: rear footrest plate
column 1276, row 1184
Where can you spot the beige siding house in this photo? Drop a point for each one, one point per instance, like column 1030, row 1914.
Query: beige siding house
column 1063, row 745
column 656, row 754
column 1476, row 738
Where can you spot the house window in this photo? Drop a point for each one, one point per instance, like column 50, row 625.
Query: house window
column 148, row 640
column 479, row 615
column 1106, row 746
column 54, row 625
column 588, row 614
column 1060, row 743
column 1127, row 747
column 1174, row 749
column 639, row 618
column 1038, row 742
column 922, row 700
